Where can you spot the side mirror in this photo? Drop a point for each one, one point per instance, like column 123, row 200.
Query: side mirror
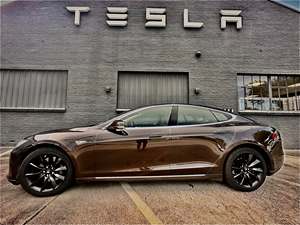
column 117, row 127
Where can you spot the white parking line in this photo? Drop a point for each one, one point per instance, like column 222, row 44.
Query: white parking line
column 286, row 181
column 141, row 205
column 5, row 153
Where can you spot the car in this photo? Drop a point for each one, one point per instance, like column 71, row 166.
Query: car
column 158, row 142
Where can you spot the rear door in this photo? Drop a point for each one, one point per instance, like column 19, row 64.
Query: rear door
column 195, row 140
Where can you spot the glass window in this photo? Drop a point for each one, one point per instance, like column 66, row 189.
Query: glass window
column 188, row 115
column 268, row 92
column 221, row 116
column 150, row 117
column 241, row 92
column 35, row 90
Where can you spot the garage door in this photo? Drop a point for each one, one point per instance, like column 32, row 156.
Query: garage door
column 137, row 89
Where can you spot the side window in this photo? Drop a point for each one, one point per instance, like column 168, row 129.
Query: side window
column 188, row 115
column 151, row 117
column 221, row 116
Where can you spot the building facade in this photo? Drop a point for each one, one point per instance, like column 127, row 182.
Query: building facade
column 74, row 63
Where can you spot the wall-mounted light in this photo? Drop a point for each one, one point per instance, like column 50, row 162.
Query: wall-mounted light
column 198, row 54
column 197, row 91
column 229, row 110
column 108, row 89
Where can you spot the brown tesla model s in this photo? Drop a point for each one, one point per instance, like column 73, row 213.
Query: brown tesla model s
column 158, row 142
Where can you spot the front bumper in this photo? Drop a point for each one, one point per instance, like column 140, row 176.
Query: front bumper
column 14, row 165
column 12, row 180
column 16, row 158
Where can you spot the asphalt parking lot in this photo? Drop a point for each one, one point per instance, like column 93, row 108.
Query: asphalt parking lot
column 201, row 202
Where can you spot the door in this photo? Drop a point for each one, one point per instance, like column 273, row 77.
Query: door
column 138, row 151
column 195, row 141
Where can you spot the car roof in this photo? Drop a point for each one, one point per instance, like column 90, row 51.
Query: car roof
column 183, row 104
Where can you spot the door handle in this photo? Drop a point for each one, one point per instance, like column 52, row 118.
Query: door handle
column 172, row 137
column 155, row 136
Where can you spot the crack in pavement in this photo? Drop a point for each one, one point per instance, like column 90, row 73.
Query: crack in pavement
column 37, row 212
column 286, row 181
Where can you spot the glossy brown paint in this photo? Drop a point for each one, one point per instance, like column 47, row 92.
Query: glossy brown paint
column 96, row 152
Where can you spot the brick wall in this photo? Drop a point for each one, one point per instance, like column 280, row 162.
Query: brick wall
column 41, row 35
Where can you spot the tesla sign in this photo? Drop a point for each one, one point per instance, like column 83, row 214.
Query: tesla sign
column 155, row 17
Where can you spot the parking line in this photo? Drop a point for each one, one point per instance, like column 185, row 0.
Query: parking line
column 286, row 181
column 141, row 205
column 5, row 153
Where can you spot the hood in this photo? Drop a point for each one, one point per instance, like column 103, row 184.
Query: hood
column 63, row 134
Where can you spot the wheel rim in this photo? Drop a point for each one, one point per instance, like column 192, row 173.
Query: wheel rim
column 247, row 170
column 46, row 172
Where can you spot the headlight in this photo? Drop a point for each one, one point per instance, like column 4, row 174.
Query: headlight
column 21, row 142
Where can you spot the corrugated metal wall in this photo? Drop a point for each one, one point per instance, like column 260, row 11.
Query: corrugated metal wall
column 146, row 88
column 33, row 89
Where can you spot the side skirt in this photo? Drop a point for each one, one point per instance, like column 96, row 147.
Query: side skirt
column 151, row 178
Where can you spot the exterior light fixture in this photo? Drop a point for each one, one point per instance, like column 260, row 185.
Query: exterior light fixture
column 198, row 54
column 197, row 91
column 108, row 89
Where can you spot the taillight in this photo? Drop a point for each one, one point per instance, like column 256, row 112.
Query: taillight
column 274, row 136
column 272, row 139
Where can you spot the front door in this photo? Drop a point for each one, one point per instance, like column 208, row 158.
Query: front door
column 138, row 152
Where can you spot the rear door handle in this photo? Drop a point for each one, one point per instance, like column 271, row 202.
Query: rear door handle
column 155, row 137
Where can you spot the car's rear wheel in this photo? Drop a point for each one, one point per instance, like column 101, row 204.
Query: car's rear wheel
column 245, row 169
column 46, row 172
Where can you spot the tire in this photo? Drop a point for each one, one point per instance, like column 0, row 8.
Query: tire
column 46, row 172
column 245, row 169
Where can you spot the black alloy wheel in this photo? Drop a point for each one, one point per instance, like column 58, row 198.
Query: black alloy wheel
column 46, row 172
column 245, row 169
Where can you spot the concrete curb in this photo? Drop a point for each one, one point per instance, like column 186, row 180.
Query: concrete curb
column 292, row 152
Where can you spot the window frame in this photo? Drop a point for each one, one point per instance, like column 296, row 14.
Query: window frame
column 270, row 94
column 37, row 109
column 172, row 119
column 121, row 110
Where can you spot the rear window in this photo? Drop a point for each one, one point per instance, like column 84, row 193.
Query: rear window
column 190, row 115
column 221, row 116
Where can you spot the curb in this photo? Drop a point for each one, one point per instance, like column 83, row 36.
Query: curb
column 292, row 152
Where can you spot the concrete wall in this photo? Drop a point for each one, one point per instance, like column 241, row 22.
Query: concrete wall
column 37, row 35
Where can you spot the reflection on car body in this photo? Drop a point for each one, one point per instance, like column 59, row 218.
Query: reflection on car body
column 160, row 142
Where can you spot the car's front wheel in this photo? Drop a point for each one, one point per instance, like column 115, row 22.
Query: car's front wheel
column 45, row 172
column 245, row 169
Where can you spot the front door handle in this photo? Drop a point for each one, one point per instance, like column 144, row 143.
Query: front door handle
column 172, row 137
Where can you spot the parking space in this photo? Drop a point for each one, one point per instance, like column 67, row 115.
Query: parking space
column 276, row 202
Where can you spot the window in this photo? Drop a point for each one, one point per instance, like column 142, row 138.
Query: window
column 188, row 115
column 221, row 116
column 33, row 90
column 137, row 89
column 150, row 117
column 268, row 92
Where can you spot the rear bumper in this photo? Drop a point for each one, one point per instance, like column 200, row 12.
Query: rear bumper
column 277, row 157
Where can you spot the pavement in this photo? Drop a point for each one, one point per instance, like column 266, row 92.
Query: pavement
column 195, row 202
